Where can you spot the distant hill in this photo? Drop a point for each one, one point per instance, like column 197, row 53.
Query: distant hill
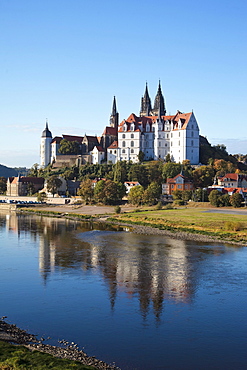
column 7, row 171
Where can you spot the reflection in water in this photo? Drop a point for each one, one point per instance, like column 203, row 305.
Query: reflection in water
column 154, row 270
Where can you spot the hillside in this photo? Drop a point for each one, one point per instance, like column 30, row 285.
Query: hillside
column 7, row 171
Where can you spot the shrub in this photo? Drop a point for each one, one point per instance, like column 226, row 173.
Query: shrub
column 158, row 206
column 117, row 209
column 233, row 225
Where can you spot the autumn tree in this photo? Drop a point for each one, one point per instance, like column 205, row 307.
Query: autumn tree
column 109, row 192
column 236, row 200
column 135, row 195
column 203, row 176
column 86, row 191
column 152, row 193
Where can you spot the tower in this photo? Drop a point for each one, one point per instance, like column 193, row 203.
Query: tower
column 146, row 106
column 159, row 103
column 45, row 146
column 114, row 115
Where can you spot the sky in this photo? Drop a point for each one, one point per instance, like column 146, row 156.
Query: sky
column 64, row 60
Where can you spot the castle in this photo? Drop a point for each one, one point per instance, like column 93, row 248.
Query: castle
column 152, row 133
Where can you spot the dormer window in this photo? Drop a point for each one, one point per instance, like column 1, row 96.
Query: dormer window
column 132, row 127
column 125, row 127
column 148, row 128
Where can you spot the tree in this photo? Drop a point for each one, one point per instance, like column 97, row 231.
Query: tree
column 203, row 176
column 3, row 185
column 170, row 170
column 30, row 188
column 53, row 183
column 136, row 195
column 120, row 171
column 152, row 193
column 154, row 171
column 69, row 147
column 168, row 158
column 34, row 170
column 200, row 195
column 41, row 197
column 86, row 191
column 215, row 198
column 141, row 156
column 109, row 192
column 236, row 200
column 138, row 173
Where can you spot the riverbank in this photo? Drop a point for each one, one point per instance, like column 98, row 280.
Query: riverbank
column 198, row 224
column 12, row 334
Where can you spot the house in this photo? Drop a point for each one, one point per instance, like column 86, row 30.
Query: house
column 97, row 154
column 233, row 180
column 179, row 182
column 22, row 185
column 112, row 153
column 130, row 184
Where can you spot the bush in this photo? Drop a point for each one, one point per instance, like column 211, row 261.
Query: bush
column 233, row 225
column 158, row 206
column 117, row 209
column 179, row 202
column 169, row 206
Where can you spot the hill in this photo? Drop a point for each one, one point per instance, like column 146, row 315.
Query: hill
column 7, row 171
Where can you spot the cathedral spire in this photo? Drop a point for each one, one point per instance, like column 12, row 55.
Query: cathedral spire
column 114, row 114
column 146, row 106
column 159, row 103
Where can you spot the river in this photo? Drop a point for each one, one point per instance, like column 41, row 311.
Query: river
column 143, row 302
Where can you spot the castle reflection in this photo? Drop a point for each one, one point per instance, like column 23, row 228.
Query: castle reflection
column 152, row 268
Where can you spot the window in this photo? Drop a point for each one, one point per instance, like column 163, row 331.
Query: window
column 179, row 186
column 132, row 136
column 110, row 151
column 192, row 133
column 167, row 136
column 179, row 142
column 132, row 143
column 123, row 151
column 171, row 134
column 132, row 151
column 123, row 136
column 115, row 152
column 171, row 143
column 179, row 134
column 192, row 142
column 123, row 143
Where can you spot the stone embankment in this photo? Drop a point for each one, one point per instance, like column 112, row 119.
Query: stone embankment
column 11, row 333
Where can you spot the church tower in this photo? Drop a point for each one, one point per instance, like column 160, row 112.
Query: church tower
column 114, row 115
column 159, row 103
column 45, row 147
column 146, row 106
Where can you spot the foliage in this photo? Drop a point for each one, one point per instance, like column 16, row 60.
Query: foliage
column 30, row 188
column 34, row 170
column 184, row 195
column 200, row 195
column 136, row 195
column 168, row 158
column 141, row 156
column 41, row 197
column 159, row 206
column 222, row 167
column 20, row 358
column 109, row 192
column 86, row 191
column 214, row 198
column 170, row 170
column 203, row 176
column 3, row 185
column 53, row 184
column 120, row 171
column 69, row 147
column 154, row 171
column 70, row 173
column 138, row 172
column 152, row 193
column 233, row 225
column 117, row 209
column 93, row 171
column 236, row 200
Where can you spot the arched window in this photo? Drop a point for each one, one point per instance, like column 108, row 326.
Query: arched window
column 123, row 143
column 132, row 143
column 132, row 136
column 123, row 136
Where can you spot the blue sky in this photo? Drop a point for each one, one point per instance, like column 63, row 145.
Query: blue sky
column 65, row 60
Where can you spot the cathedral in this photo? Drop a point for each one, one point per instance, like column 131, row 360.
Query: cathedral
column 152, row 133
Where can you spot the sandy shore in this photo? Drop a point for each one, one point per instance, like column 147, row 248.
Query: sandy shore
column 11, row 333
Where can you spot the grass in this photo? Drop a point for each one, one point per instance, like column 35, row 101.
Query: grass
column 193, row 220
column 14, row 357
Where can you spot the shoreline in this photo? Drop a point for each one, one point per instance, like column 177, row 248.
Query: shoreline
column 12, row 334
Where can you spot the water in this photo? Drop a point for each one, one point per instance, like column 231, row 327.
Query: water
column 144, row 302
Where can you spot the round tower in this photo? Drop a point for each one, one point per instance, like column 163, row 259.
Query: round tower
column 45, row 147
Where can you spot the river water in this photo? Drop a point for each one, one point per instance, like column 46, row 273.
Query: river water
column 143, row 302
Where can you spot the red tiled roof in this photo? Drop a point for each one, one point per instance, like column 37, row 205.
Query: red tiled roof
column 114, row 145
column 34, row 180
column 110, row 131
column 73, row 138
column 229, row 177
column 57, row 139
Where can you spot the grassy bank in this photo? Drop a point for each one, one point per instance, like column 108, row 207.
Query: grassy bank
column 14, row 357
column 193, row 220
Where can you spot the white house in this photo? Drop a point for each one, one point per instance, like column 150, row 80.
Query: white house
column 97, row 154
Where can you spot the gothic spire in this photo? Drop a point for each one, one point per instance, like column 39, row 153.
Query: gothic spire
column 146, row 106
column 114, row 114
column 159, row 103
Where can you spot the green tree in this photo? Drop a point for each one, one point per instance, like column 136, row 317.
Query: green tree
column 170, row 170
column 109, row 192
column 236, row 200
column 3, row 185
column 30, row 188
column 215, row 198
column 135, row 195
column 69, row 147
column 41, row 197
column 152, row 193
column 200, row 195
column 34, row 170
column 154, row 171
column 53, row 184
column 120, row 171
column 86, row 191
column 141, row 156
column 138, row 173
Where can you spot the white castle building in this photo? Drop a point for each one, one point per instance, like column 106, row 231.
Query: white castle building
column 153, row 133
